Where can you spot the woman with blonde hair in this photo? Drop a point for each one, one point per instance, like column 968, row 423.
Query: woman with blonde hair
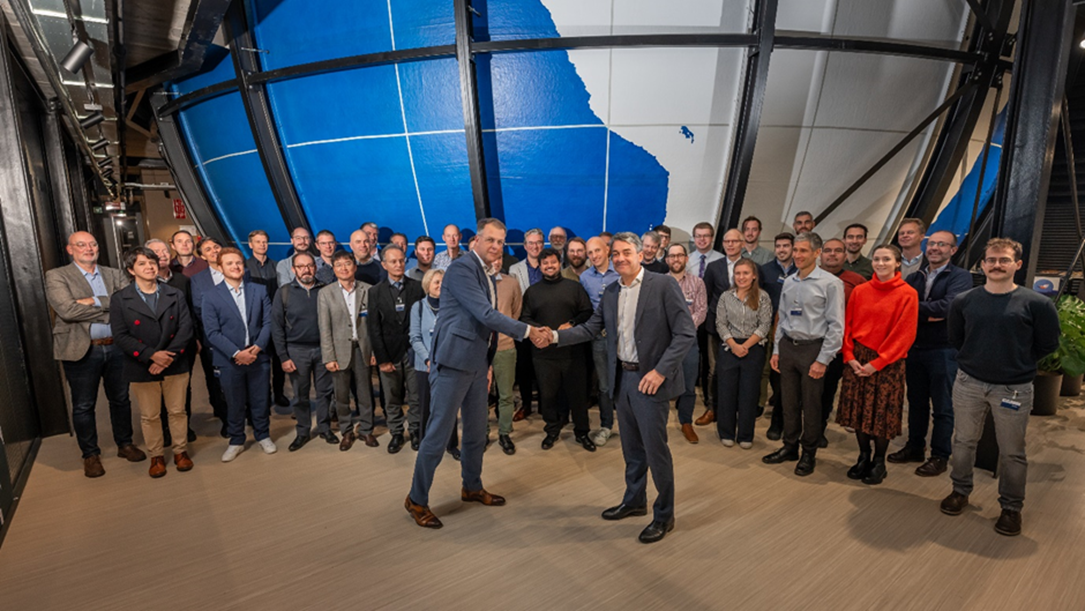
column 423, row 321
column 743, row 321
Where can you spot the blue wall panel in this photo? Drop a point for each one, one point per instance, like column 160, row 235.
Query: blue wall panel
column 431, row 95
column 337, row 105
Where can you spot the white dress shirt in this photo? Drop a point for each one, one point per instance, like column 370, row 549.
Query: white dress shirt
column 628, row 296
column 349, row 297
column 239, row 300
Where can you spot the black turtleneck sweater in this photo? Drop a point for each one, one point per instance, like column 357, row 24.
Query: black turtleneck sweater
column 552, row 303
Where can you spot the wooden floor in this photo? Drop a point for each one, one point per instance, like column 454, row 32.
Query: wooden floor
column 320, row 529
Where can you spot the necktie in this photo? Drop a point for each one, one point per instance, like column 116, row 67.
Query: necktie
column 700, row 273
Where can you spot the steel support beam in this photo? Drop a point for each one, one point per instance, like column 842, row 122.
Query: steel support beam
column 201, row 25
column 749, row 118
column 472, row 122
column 258, row 108
column 1045, row 37
column 60, row 181
column 188, row 183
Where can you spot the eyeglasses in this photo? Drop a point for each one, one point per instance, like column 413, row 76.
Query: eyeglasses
column 305, row 266
column 343, row 265
column 732, row 241
column 702, row 236
column 939, row 244
column 679, row 256
column 85, row 245
column 999, row 261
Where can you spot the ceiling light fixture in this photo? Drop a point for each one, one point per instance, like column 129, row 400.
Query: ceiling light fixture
column 41, row 12
column 76, row 58
column 82, row 84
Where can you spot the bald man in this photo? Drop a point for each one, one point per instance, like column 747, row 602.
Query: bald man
column 302, row 241
column 83, row 342
column 452, row 251
column 368, row 269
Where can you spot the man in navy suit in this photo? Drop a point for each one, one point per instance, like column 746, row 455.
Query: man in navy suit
column 649, row 330
column 237, row 322
column 464, row 342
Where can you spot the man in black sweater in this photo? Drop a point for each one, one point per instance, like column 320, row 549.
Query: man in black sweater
column 389, row 322
column 295, row 331
column 559, row 303
column 1000, row 331
column 369, row 268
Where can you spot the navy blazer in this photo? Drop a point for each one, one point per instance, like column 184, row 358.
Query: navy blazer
column 139, row 332
column 224, row 328
column 663, row 331
column 199, row 285
column 947, row 285
column 461, row 338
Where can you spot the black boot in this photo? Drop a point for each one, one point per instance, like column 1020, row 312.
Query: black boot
column 877, row 472
column 861, row 468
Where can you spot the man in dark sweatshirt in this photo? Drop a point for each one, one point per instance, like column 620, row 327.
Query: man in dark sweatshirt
column 1000, row 331
column 296, row 333
column 559, row 303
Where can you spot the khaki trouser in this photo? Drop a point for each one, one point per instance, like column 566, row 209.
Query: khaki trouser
column 148, row 397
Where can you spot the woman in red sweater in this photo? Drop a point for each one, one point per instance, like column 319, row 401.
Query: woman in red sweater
column 879, row 328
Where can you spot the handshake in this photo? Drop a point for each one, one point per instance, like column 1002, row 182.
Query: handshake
column 541, row 336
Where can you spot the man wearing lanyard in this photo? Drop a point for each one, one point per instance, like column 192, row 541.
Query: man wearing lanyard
column 809, row 333
column 83, row 342
column 595, row 280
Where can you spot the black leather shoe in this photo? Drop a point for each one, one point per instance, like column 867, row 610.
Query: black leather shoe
column 222, row 432
column 773, row 434
column 507, row 446
column 954, row 504
column 861, row 468
column 624, row 511
column 806, row 465
column 396, row 443
column 907, row 454
column 191, row 435
column 784, row 454
column 549, row 441
column 587, row 443
column 330, row 437
column 877, row 473
column 415, row 442
column 298, row 442
column 655, row 531
column 823, row 442
column 454, row 453
column 1009, row 523
column 935, row 465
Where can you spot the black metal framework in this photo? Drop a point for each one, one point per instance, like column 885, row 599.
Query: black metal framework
column 472, row 122
column 258, row 109
column 201, row 25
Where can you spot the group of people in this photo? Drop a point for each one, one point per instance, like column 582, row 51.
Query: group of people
column 635, row 320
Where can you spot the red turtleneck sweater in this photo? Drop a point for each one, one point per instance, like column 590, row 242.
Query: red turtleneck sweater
column 882, row 316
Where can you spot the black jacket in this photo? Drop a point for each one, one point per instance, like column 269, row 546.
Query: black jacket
column 389, row 322
column 947, row 285
column 139, row 333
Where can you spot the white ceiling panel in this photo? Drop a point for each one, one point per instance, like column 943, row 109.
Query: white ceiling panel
column 674, row 86
column 938, row 22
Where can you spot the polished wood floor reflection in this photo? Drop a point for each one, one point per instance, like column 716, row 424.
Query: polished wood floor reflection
column 320, row 529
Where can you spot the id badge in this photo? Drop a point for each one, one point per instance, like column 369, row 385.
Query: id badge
column 1011, row 404
column 399, row 307
column 363, row 313
column 780, row 280
column 796, row 312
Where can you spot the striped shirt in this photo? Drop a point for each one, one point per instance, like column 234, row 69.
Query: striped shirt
column 735, row 319
column 696, row 297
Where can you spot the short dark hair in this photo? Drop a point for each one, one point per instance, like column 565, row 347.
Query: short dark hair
column 705, row 225
column 577, row 239
column 256, row 232
column 176, row 233
column 856, row 226
column 207, row 240
column 341, row 255
column 803, row 213
column 400, row 234
column 606, row 234
column 549, row 252
column 325, row 232
column 662, row 229
column 425, row 238
column 134, row 253
column 787, row 235
column 392, row 247
column 742, row 226
column 1005, row 244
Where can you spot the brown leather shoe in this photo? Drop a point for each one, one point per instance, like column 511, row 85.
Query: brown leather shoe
column 689, row 433
column 707, row 418
column 518, row 415
column 158, row 467
column 421, row 514
column 347, row 441
column 935, row 465
column 183, row 462
column 92, row 466
column 481, row 496
column 131, row 453
column 371, row 441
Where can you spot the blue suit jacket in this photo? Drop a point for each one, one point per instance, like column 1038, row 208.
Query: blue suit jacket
column 663, row 331
column 224, row 328
column 462, row 336
column 199, row 285
column 947, row 285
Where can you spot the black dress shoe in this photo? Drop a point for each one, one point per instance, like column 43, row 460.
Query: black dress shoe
column 624, row 511
column 396, row 444
column 415, row 442
column 191, row 435
column 784, row 454
column 330, row 437
column 282, row 401
column 587, row 443
column 454, row 453
column 806, row 465
column 507, row 446
column 222, row 431
column 823, row 442
column 773, row 434
column 907, row 454
column 298, row 442
column 1009, row 523
column 549, row 441
column 877, row 472
column 760, row 411
column 935, row 465
column 861, row 468
column 655, row 531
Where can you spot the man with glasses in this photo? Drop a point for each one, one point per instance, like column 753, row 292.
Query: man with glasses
column 325, row 246
column 83, row 342
column 1000, row 331
column 302, row 241
column 527, row 273
column 693, row 290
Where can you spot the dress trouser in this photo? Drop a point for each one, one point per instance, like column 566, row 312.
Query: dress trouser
column 606, row 401
column 101, row 364
column 214, row 386
column 525, row 374
column 401, row 388
column 833, row 374
column 930, row 373
column 422, row 380
column 450, row 389
column 246, row 386
column 504, row 379
column 801, row 395
column 149, row 397
column 310, row 370
column 557, row 378
column 687, row 400
column 358, row 373
column 643, row 421
column 739, row 390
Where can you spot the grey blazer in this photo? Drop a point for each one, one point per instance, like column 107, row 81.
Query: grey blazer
column 519, row 271
column 334, row 321
column 71, row 329
column 663, row 331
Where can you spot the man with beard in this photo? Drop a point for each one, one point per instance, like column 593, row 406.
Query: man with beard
column 576, row 259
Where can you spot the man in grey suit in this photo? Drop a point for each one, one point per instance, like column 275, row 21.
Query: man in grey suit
column 464, row 343
column 344, row 345
column 83, row 342
column 649, row 330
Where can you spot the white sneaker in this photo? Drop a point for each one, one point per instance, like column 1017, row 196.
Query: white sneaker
column 268, row 446
column 600, row 437
column 727, row 443
column 745, row 445
column 231, row 452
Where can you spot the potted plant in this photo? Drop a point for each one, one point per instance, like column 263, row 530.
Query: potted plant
column 1068, row 359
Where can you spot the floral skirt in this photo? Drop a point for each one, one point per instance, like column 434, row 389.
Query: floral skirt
column 872, row 405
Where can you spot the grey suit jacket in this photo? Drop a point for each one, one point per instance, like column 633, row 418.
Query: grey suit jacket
column 663, row 331
column 334, row 321
column 71, row 329
column 519, row 271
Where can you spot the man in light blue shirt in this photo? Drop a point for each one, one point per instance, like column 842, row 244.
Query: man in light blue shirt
column 599, row 275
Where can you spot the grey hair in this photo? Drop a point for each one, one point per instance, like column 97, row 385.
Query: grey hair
column 483, row 223
column 535, row 231
column 651, row 235
column 811, row 237
column 629, row 238
column 390, row 247
column 148, row 243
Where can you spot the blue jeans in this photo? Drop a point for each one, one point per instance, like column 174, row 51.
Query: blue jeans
column 687, row 399
column 972, row 399
column 100, row 363
column 247, row 385
column 606, row 402
column 930, row 373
